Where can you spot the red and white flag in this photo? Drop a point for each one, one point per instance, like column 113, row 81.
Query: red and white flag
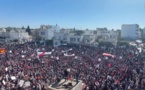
column 107, row 54
column 42, row 54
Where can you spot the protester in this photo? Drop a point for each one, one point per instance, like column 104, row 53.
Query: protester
column 22, row 69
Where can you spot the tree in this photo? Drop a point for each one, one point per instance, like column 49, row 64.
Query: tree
column 28, row 30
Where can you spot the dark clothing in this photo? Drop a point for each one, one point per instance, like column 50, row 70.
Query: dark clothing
column 77, row 77
column 65, row 73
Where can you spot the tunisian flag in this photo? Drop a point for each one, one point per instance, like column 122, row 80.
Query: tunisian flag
column 107, row 54
column 2, row 50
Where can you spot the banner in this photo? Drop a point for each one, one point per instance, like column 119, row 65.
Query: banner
column 40, row 54
column 66, row 50
column 107, row 54
column 45, row 53
column 69, row 55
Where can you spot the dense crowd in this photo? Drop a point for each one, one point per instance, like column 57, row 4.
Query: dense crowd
column 22, row 69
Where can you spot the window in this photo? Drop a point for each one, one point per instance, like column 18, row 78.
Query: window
column 71, row 39
column 74, row 39
column 64, row 38
column 42, row 33
column 78, row 39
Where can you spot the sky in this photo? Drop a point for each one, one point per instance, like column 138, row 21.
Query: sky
column 81, row 14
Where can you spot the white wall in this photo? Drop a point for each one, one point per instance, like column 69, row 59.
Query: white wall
column 109, row 36
column 87, row 39
column 48, row 34
column 24, row 36
column 16, row 35
column 74, row 39
column 144, row 31
column 129, row 31
column 56, row 43
column 59, row 35
column 42, row 33
column 88, row 32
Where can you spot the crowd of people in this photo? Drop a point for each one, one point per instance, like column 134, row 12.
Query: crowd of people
column 21, row 68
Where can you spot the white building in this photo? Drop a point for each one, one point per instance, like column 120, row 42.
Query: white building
column 101, row 30
column 2, row 30
column 143, row 31
column 20, row 35
column 56, row 43
column 89, row 37
column 67, row 36
column 59, row 37
column 48, row 33
column 63, row 37
column 88, row 32
column 75, row 39
column 130, row 31
column 103, row 34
